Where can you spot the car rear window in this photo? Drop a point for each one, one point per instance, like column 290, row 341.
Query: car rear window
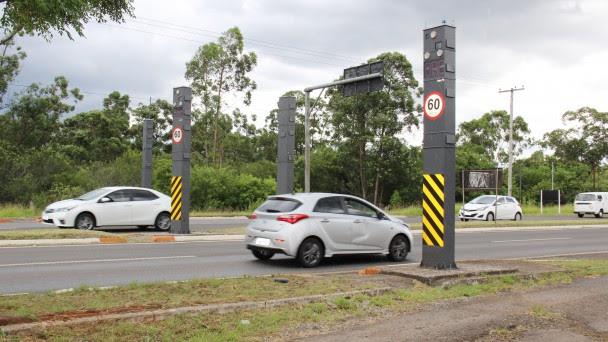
column 585, row 197
column 279, row 205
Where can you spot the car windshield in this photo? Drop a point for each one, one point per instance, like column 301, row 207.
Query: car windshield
column 92, row 194
column 484, row 200
column 585, row 197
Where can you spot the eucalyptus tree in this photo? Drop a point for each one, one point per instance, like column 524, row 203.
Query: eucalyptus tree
column 368, row 127
column 586, row 142
column 217, row 69
column 489, row 135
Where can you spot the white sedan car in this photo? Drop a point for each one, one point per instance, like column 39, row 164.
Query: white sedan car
column 311, row 226
column 111, row 206
column 490, row 208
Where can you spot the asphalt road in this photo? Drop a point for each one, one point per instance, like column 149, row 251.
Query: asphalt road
column 201, row 224
column 31, row 269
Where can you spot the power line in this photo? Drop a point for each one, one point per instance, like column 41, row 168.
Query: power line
column 83, row 91
column 200, row 41
column 269, row 44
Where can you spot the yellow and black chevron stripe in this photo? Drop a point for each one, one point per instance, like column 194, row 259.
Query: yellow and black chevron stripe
column 176, row 198
column 433, row 213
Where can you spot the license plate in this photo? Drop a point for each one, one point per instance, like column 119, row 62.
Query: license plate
column 262, row 242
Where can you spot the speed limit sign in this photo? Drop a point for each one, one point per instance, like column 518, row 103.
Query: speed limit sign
column 177, row 135
column 434, row 105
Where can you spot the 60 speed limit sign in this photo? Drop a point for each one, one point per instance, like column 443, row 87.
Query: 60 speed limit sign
column 177, row 135
column 434, row 105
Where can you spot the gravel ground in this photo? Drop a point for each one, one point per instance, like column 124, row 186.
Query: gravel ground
column 574, row 312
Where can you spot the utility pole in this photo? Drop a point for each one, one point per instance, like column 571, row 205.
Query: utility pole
column 510, row 176
column 552, row 173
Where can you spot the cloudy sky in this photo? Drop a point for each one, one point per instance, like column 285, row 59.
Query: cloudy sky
column 555, row 49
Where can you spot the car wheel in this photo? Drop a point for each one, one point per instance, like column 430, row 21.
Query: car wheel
column 162, row 222
column 600, row 214
column 517, row 217
column 310, row 252
column 397, row 249
column 490, row 217
column 580, row 215
column 262, row 254
column 85, row 221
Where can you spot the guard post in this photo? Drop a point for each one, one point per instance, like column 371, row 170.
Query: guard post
column 146, row 153
column 439, row 148
column 286, row 144
column 181, row 141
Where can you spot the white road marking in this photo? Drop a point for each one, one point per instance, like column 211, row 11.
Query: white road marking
column 526, row 240
column 67, row 262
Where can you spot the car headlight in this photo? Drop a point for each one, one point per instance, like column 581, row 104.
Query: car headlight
column 64, row 209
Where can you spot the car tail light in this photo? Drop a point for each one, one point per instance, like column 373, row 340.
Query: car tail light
column 292, row 218
column 252, row 216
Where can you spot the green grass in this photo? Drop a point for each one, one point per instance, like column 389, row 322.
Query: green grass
column 10, row 211
column 51, row 233
column 219, row 213
column 288, row 321
column 169, row 295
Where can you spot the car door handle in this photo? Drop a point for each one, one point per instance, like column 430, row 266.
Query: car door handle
column 357, row 221
column 324, row 220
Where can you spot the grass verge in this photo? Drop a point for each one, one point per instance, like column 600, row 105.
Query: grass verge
column 169, row 295
column 51, row 233
column 12, row 211
column 297, row 320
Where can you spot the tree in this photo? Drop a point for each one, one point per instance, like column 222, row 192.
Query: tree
column 33, row 118
column 587, row 142
column 98, row 135
column 161, row 114
column 368, row 124
column 9, row 67
column 490, row 134
column 43, row 18
column 217, row 69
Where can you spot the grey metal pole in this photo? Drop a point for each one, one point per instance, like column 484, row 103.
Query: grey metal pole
column 307, row 141
column 552, row 173
column 510, row 173
column 146, row 153
column 510, row 184
column 307, row 118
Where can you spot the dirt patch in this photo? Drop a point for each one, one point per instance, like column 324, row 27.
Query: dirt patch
column 66, row 316
column 7, row 320
column 6, row 220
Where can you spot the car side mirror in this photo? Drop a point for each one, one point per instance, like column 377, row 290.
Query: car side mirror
column 105, row 200
column 381, row 216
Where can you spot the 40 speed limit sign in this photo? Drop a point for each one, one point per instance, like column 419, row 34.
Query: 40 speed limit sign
column 434, row 105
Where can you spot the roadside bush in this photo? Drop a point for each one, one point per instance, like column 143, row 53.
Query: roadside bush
column 226, row 188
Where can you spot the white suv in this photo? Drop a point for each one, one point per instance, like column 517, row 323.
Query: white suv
column 490, row 208
column 311, row 226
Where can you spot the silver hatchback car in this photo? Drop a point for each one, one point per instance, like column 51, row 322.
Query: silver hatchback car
column 311, row 226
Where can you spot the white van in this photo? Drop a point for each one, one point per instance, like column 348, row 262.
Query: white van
column 595, row 203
